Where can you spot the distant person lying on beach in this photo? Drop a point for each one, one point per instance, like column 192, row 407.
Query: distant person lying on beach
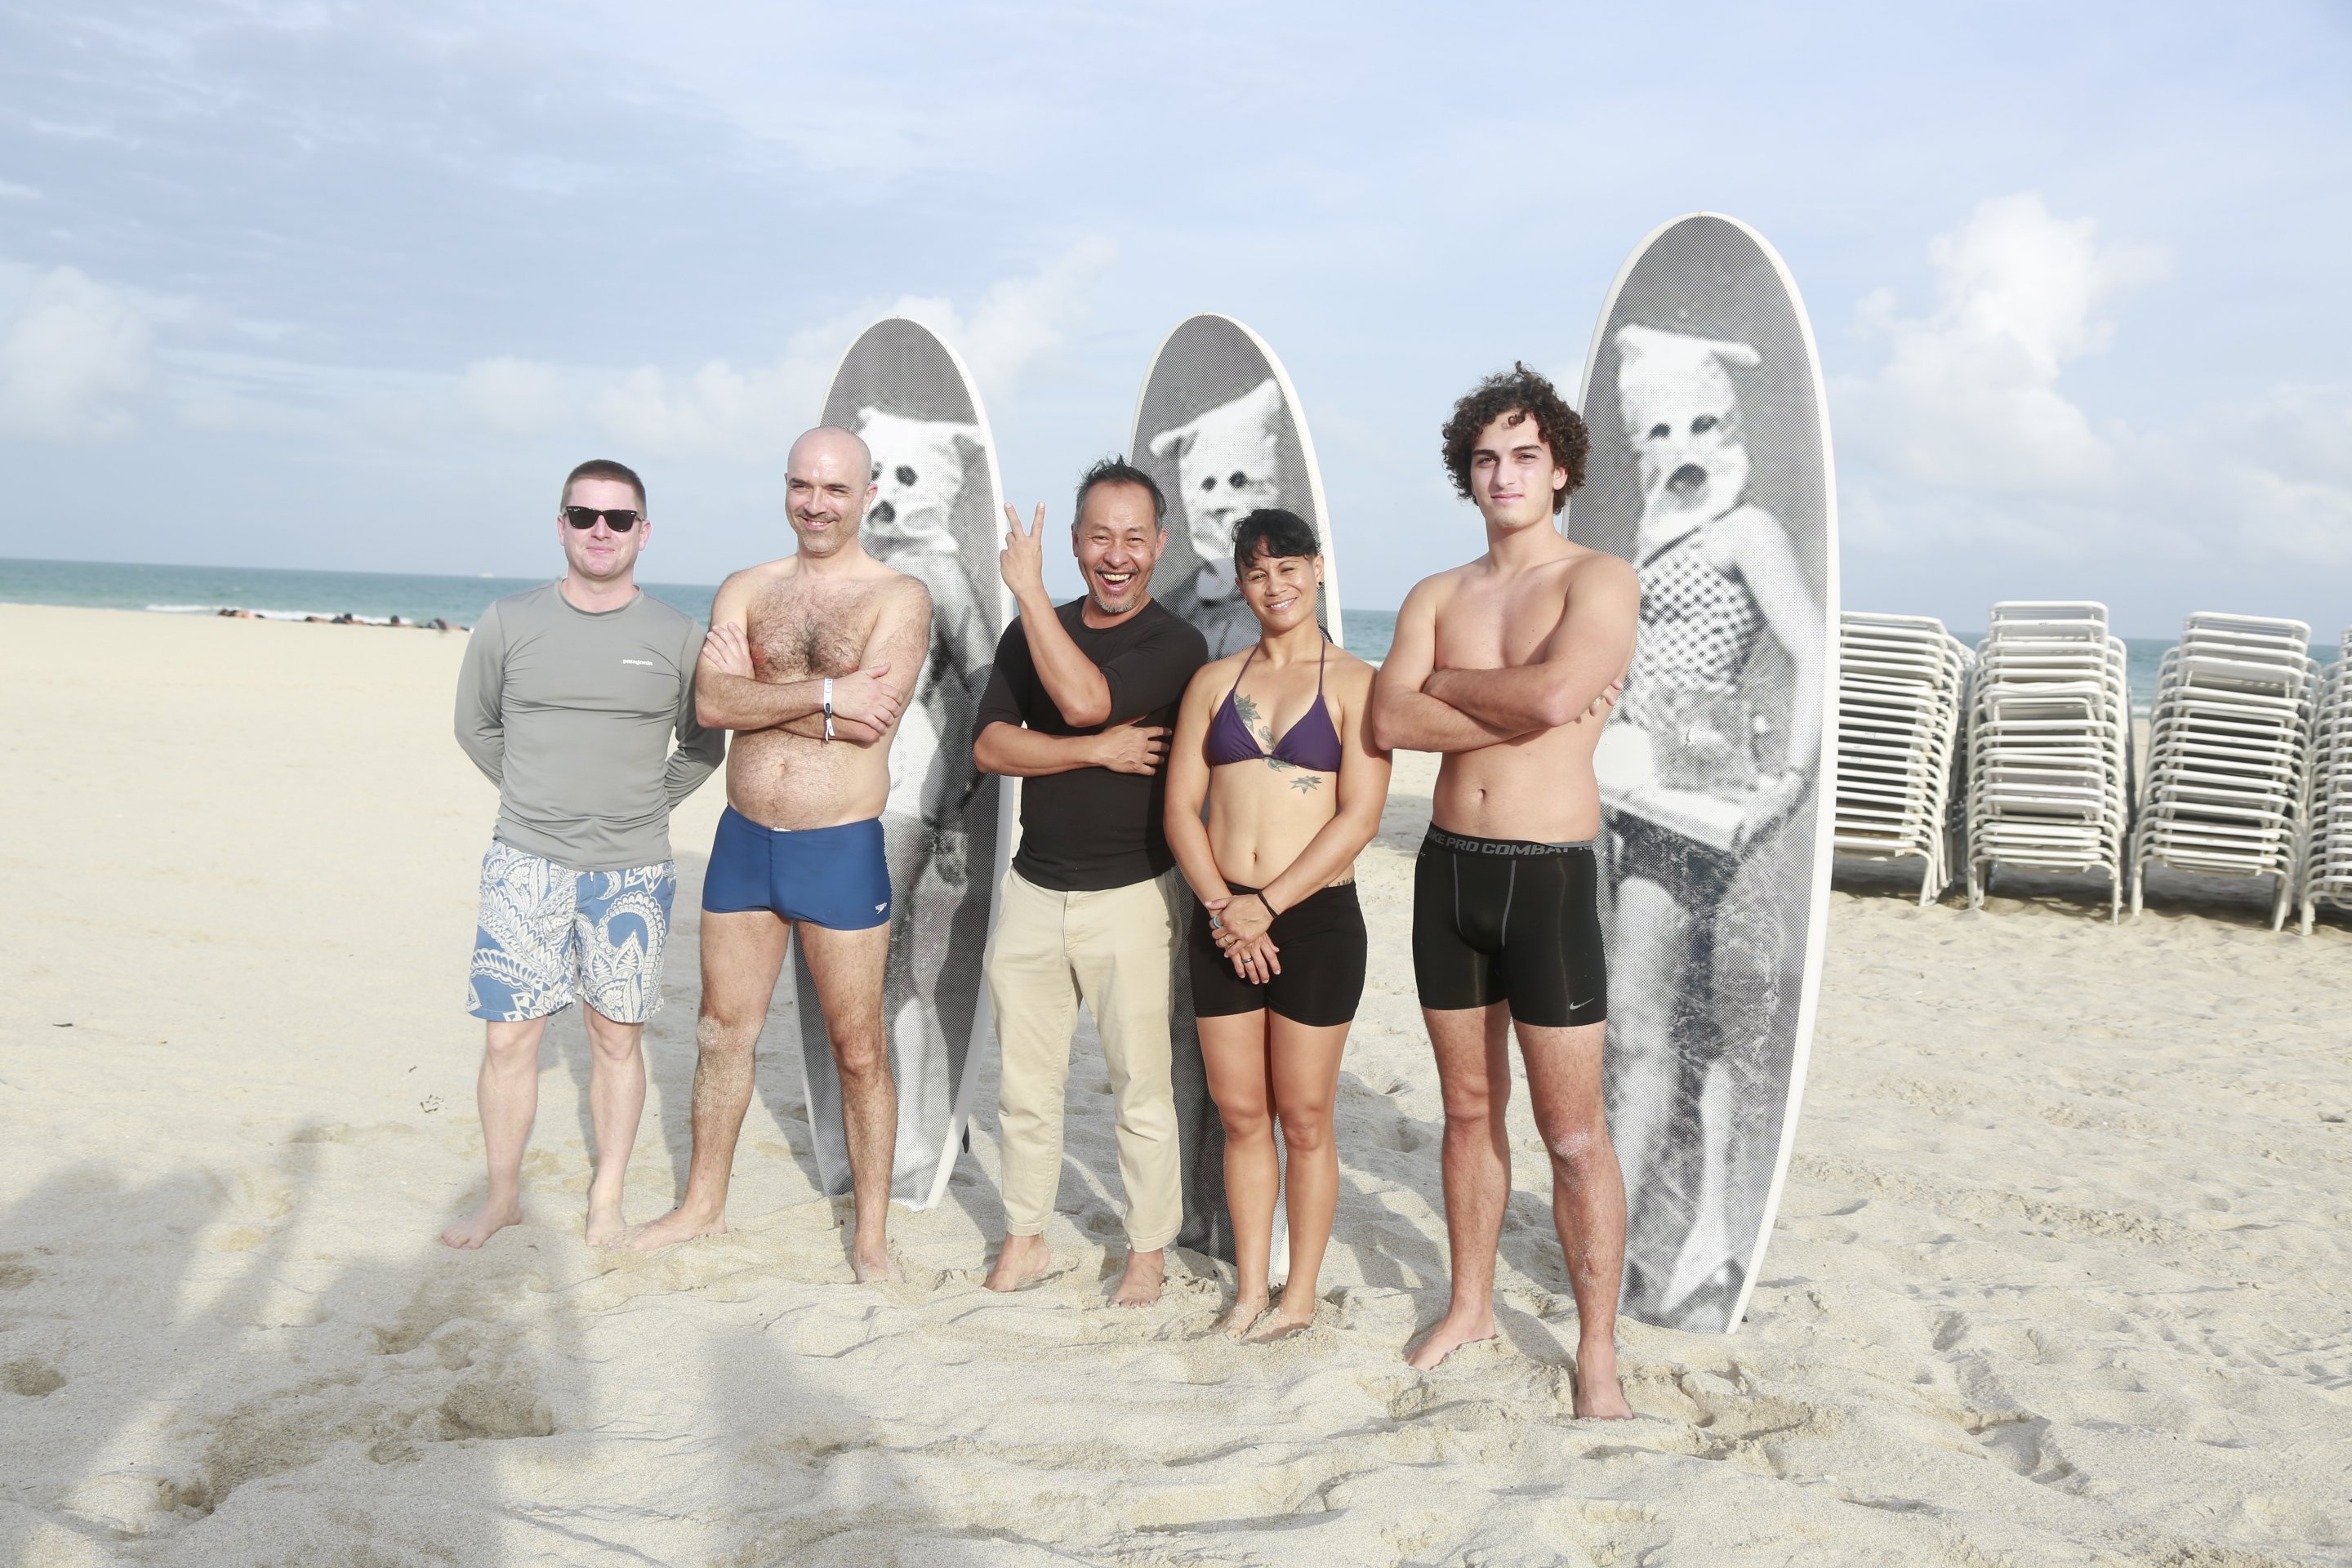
column 1505, row 666
column 1293, row 793
column 568, row 700
column 809, row 661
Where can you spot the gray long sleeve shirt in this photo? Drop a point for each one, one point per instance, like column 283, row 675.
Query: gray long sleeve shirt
column 571, row 712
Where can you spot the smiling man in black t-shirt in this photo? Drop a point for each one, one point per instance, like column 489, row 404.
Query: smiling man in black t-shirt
column 1080, row 706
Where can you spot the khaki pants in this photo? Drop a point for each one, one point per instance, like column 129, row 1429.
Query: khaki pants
column 1114, row 949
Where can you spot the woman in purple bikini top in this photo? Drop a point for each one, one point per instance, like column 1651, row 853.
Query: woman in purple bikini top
column 1267, row 825
column 1313, row 742
column 1248, row 805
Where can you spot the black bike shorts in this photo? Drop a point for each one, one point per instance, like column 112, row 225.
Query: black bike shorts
column 1320, row 943
column 1499, row 920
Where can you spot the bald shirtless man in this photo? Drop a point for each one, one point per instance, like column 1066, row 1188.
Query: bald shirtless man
column 1506, row 666
column 808, row 660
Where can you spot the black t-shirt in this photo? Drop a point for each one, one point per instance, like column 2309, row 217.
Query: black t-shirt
column 1091, row 828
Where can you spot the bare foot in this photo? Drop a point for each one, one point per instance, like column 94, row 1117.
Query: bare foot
column 1459, row 1327
column 492, row 1218
column 670, row 1229
column 875, row 1267
column 1022, row 1261
column 1246, row 1310
column 605, row 1226
column 1599, row 1395
column 1280, row 1326
column 1139, row 1285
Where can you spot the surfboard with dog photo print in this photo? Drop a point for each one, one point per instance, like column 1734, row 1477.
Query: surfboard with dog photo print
column 937, row 515
column 1710, row 471
column 1218, row 426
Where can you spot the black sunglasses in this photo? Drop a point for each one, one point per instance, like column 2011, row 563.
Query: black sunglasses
column 619, row 518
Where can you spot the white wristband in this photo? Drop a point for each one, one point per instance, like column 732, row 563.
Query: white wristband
column 828, row 708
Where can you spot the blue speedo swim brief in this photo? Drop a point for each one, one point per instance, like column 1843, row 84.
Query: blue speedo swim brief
column 834, row 877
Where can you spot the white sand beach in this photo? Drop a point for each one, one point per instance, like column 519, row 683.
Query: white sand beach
column 2063, row 1275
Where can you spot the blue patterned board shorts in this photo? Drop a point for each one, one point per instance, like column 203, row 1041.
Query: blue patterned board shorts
column 548, row 936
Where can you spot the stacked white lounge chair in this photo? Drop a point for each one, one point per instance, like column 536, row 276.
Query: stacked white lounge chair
column 2229, row 754
column 1902, row 702
column 2328, row 806
column 2049, row 746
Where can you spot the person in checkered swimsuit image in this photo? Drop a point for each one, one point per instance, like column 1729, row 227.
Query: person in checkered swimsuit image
column 1725, row 688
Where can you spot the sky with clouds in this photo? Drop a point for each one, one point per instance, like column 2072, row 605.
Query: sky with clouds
column 334, row 286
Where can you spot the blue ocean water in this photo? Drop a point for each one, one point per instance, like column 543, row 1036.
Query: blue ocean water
column 277, row 592
column 1368, row 633
column 280, row 593
column 375, row 596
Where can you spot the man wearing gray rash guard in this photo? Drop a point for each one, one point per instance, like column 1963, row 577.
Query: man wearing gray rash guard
column 568, row 700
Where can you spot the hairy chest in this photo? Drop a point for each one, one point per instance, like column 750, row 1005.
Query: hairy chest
column 797, row 631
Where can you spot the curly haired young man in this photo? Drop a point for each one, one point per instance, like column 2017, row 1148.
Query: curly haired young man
column 1508, row 666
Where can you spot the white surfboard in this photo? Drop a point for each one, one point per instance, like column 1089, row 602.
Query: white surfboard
column 939, row 516
column 1218, row 425
column 1711, row 472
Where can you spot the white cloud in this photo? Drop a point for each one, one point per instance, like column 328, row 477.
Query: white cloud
column 2269, row 477
column 1020, row 321
column 76, row 351
column 1965, row 433
column 1969, row 395
column 719, row 410
column 10, row 191
column 753, row 411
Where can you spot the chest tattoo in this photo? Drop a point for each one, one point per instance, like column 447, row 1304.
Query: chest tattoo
column 1258, row 725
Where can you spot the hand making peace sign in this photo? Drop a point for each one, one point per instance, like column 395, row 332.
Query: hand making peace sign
column 1022, row 560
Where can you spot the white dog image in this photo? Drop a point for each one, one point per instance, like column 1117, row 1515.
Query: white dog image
column 921, row 469
column 920, row 466
column 1225, row 468
column 1682, row 415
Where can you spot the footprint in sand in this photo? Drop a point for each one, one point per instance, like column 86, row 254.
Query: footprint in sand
column 489, row 1407
column 31, row 1379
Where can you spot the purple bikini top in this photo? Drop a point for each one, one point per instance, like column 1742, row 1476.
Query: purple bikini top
column 1312, row 743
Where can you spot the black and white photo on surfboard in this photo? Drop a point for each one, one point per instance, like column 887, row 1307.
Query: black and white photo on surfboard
column 1219, row 428
column 1709, row 472
column 935, row 515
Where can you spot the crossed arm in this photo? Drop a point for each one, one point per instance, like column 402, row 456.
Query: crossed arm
column 1075, row 682
column 866, row 702
column 1417, row 707
column 1018, row 751
column 1149, row 678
